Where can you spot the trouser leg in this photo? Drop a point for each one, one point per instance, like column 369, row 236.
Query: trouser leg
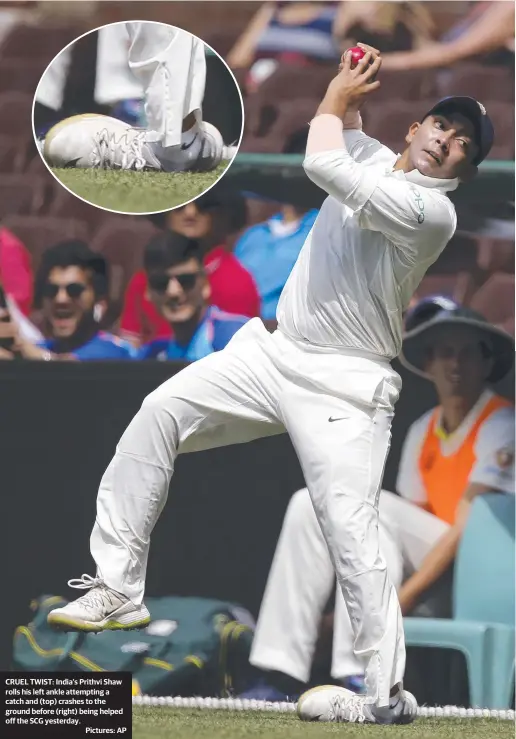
column 171, row 66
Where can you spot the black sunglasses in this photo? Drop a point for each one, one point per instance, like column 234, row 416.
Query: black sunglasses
column 73, row 289
column 159, row 283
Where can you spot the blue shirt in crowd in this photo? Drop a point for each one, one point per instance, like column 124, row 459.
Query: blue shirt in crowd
column 102, row 346
column 268, row 251
column 212, row 335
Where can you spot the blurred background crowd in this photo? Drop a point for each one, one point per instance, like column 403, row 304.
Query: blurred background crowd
column 79, row 283
column 283, row 55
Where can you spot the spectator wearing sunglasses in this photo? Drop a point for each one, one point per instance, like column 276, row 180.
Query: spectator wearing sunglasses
column 180, row 291
column 72, row 289
column 211, row 219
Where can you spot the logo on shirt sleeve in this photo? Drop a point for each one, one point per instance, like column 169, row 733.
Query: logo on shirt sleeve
column 420, row 204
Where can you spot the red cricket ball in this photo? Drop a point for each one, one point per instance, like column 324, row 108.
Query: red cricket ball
column 356, row 55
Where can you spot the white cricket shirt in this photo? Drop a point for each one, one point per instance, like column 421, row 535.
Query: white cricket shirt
column 374, row 238
column 494, row 451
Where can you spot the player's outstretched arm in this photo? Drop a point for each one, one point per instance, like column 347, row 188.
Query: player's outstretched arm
column 360, row 146
column 342, row 103
column 415, row 219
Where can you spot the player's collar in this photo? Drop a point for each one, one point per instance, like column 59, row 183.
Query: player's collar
column 417, row 178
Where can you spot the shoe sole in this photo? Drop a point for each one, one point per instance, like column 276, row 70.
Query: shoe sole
column 64, row 623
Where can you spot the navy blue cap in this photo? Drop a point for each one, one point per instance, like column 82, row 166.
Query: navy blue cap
column 426, row 308
column 476, row 113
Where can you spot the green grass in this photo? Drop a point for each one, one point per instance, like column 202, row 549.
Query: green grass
column 169, row 723
column 137, row 192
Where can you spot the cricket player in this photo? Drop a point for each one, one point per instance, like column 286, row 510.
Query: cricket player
column 170, row 65
column 324, row 376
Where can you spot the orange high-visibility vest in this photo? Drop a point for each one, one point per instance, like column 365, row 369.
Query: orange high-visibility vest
column 446, row 477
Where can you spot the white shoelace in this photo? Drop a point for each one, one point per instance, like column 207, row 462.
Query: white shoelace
column 99, row 595
column 348, row 709
column 125, row 152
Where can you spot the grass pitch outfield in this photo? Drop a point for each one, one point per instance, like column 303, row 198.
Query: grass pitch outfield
column 183, row 723
column 137, row 192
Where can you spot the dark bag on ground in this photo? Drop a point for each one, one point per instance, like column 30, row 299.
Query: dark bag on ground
column 193, row 646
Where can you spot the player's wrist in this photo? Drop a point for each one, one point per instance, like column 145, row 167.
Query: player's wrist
column 332, row 104
column 352, row 120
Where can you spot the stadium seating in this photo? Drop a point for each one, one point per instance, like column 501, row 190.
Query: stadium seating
column 487, row 84
column 39, row 233
column 496, row 255
column 483, row 604
column 290, row 83
column 27, row 41
column 495, row 298
column 460, row 254
column 112, row 241
column 388, row 121
column 457, row 286
column 475, row 270
column 21, row 194
column 408, row 85
column 278, row 126
column 35, row 165
column 15, row 113
column 502, row 114
column 20, row 75
column 13, row 152
column 65, row 205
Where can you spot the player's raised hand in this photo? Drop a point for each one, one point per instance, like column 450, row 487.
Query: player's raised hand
column 365, row 48
column 353, row 84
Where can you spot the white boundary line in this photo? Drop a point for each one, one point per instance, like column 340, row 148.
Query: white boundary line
column 244, row 704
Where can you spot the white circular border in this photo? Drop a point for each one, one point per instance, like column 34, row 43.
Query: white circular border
column 151, row 212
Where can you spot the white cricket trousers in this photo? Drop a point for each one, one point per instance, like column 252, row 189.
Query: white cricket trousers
column 301, row 579
column 263, row 384
column 171, row 65
column 164, row 64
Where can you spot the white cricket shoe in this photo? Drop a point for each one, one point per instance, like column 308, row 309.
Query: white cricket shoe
column 95, row 141
column 333, row 703
column 101, row 609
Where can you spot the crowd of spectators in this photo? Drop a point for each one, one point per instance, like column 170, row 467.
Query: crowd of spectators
column 192, row 292
column 283, row 55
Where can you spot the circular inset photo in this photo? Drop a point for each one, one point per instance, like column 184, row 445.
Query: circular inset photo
column 138, row 117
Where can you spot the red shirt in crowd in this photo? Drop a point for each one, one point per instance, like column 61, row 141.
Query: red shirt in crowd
column 15, row 270
column 232, row 290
